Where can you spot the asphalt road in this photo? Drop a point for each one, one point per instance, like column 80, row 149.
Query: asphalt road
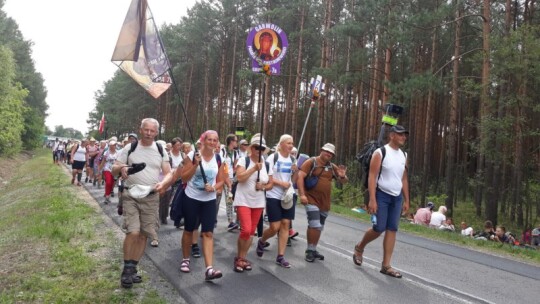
column 433, row 272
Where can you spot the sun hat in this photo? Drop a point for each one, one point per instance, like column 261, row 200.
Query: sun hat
column 112, row 142
column 256, row 140
column 328, row 147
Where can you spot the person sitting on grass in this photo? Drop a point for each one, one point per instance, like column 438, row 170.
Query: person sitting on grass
column 535, row 236
column 438, row 218
column 486, row 233
column 423, row 215
column 501, row 236
column 448, row 225
column 466, row 230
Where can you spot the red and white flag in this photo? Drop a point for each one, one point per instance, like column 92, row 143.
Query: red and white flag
column 102, row 124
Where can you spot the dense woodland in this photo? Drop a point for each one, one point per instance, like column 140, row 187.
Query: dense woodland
column 22, row 93
column 467, row 73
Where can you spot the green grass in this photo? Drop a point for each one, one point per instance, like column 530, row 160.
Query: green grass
column 518, row 253
column 54, row 247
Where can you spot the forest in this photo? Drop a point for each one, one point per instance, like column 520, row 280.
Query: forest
column 466, row 72
column 22, row 92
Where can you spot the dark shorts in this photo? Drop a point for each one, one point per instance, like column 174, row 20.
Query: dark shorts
column 199, row 212
column 388, row 211
column 78, row 165
column 276, row 213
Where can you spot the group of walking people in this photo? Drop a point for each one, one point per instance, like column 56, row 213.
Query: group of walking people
column 255, row 181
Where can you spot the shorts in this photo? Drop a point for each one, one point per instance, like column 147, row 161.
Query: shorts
column 141, row 215
column 78, row 165
column 276, row 213
column 199, row 212
column 315, row 217
column 388, row 211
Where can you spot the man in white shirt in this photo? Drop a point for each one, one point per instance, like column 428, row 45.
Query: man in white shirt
column 438, row 218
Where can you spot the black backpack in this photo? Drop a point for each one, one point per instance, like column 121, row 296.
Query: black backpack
column 364, row 158
column 134, row 146
column 266, row 164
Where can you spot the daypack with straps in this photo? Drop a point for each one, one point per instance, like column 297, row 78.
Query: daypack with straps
column 266, row 164
column 365, row 157
column 293, row 160
column 311, row 180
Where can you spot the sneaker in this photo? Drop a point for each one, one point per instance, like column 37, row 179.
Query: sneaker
column 112, row 193
column 289, row 244
column 136, row 278
column 260, row 248
column 317, row 255
column 184, row 266
column 266, row 244
column 126, row 279
column 195, row 251
column 310, row 257
column 212, row 274
column 107, row 201
column 86, row 180
column 232, row 226
column 293, row 233
column 282, row 262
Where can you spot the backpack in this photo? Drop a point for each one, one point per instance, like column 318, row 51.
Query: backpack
column 364, row 158
column 293, row 160
column 134, row 146
column 311, row 180
column 266, row 164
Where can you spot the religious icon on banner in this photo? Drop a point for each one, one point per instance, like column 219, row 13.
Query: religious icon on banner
column 267, row 45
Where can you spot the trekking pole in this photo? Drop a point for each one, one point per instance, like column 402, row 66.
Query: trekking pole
column 311, row 106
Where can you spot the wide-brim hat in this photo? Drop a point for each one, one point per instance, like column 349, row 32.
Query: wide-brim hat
column 328, row 147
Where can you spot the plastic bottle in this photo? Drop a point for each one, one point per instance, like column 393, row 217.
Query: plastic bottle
column 374, row 219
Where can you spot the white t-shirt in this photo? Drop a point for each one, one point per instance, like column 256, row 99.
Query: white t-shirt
column 437, row 219
column 281, row 170
column 246, row 195
column 80, row 154
column 144, row 154
column 195, row 187
column 467, row 231
column 110, row 158
column 176, row 160
column 393, row 167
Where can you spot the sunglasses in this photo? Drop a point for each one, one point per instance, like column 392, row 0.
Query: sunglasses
column 258, row 148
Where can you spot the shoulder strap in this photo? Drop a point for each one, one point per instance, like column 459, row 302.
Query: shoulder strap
column 383, row 152
column 160, row 149
column 276, row 156
column 267, row 165
column 132, row 148
column 218, row 160
column 247, row 161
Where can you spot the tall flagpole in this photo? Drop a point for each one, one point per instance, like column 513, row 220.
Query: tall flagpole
column 311, row 106
column 262, row 121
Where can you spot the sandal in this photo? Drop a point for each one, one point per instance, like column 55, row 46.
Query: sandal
column 238, row 267
column 184, row 266
column 247, row 265
column 212, row 273
column 357, row 256
column 388, row 270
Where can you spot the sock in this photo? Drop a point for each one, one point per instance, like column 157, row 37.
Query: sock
column 194, row 245
column 312, row 247
column 279, row 257
column 79, row 176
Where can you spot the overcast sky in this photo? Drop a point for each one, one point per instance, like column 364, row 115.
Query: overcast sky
column 73, row 44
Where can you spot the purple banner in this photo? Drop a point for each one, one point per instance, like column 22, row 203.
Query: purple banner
column 267, row 44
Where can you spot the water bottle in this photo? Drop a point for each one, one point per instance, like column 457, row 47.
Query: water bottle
column 374, row 219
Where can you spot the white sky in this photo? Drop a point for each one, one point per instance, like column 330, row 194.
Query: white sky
column 73, row 44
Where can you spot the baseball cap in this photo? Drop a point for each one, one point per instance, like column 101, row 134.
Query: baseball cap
column 430, row 205
column 399, row 129
column 133, row 135
column 243, row 142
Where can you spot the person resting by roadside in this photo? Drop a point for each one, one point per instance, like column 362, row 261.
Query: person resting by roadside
column 466, row 230
column 536, row 236
column 423, row 215
column 448, row 225
column 501, row 236
column 438, row 218
column 486, row 233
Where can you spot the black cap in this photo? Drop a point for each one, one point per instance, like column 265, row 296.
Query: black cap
column 399, row 129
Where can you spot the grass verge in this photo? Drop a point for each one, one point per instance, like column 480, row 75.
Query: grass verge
column 519, row 253
column 54, row 247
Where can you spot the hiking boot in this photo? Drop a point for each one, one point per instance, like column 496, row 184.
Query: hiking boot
column 136, row 278
column 232, row 226
column 317, row 255
column 126, row 279
column 310, row 256
column 260, row 248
